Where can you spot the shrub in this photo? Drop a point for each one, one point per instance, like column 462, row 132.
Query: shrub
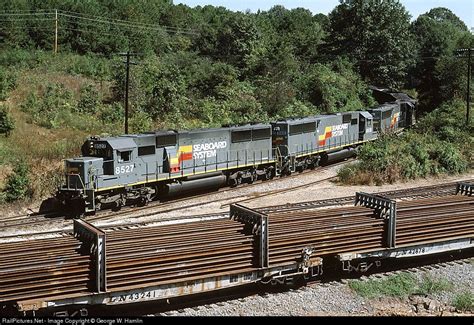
column 430, row 285
column 89, row 100
column 46, row 110
column 448, row 158
column 400, row 285
column 111, row 113
column 397, row 286
column 6, row 122
column 7, row 82
column 20, row 58
column 347, row 172
column 140, row 122
column 87, row 65
column 18, row 183
column 440, row 143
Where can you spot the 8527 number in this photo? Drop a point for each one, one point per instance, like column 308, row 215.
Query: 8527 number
column 124, row 169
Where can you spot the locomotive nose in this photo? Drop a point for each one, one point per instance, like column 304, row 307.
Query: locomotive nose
column 81, row 172
column 75, row 173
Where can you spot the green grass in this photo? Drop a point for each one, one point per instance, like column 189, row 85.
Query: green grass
column 464, row 301
column 400, row 285
column 430, row 285
column 396, row 286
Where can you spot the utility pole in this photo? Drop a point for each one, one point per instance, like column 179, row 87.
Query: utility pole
column 468, row 95
column 127, row 79
column 56, row 31
column 468, row 91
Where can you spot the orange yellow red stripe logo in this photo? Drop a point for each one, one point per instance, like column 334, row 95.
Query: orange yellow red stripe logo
column 185, row 153
column 323, row 137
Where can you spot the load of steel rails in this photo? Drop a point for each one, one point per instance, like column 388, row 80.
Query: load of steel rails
column 158, row 255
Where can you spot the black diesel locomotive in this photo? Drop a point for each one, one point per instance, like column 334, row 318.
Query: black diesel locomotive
column 137, row 169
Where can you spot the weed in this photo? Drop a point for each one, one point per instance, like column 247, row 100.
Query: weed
column 430, row 285
column 464, row 301
column 400, row 285
column 397, row 286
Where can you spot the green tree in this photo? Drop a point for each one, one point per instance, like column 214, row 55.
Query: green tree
column 334, row 87
column 438, row 74
column 375, row 34
column 297, row 28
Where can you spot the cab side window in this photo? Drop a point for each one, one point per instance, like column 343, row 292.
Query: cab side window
column 124, row 156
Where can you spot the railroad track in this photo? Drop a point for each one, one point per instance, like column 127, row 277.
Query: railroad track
column 133, row 212
column 403, row 194
column 64, row 227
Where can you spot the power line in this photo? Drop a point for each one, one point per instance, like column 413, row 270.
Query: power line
column 24, row 10
column 117, row 20
column 122, row 27
column 86, row 31
column 25, row 27
column 31, row 20
column 132, row 25
column 27, row 14
column 103, row 20
column 60, row 30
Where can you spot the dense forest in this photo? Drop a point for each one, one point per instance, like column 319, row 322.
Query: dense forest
column 209, row 66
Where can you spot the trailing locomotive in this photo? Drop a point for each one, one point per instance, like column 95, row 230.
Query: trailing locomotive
column 136, row 169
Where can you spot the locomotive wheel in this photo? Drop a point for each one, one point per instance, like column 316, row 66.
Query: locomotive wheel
column 235, row 181
column 268, row 175
column 142, row 201
column 252, row 178
column 117, row 205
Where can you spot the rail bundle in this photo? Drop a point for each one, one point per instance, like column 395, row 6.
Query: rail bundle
column 109, row 266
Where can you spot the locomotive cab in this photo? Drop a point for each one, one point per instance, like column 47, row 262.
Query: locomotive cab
column 104, row 163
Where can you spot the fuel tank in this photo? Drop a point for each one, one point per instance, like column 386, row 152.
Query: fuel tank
column 194, row 185
column 337, row 156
